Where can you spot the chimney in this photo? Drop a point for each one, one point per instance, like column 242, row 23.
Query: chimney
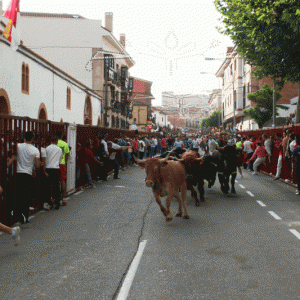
column 122, row 39
column 1, row 10
column 109, row 21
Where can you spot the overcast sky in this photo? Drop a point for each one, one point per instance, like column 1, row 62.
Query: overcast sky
column 168, row 42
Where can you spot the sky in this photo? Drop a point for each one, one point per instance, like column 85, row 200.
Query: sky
column 168, row 42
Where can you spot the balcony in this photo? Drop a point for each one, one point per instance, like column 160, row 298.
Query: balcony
column 124, row 79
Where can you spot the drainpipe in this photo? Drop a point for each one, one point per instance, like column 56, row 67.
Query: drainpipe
column 53, row 95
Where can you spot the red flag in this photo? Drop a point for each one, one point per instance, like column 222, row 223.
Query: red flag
column 12, row 11
column 11, row 14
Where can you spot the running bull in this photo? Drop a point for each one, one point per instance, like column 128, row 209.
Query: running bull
column 166, row 178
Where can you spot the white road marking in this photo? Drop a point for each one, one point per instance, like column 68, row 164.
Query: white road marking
column 275, row 216
column 30, row 217
column 119, row 186
column 241, row 186
column 260, row 203
column 1, row 233
column 249, row 193
column 295, row 233
column 78, row 193
column 131, row 272
column 236, row 181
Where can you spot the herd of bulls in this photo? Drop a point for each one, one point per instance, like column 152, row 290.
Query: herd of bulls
column 176, row 171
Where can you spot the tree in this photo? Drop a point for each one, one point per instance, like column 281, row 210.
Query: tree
column 214, row 120
column 263, row 110
column 267, row 35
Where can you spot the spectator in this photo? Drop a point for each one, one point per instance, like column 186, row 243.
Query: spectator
column 267, row 143
column 135, row 144
column 278, row 145
column 163, row 144
column 249, row 151
column 88, row 158
column 113, row 148
column 14, row 232
column 27, row 157
column 152, row 147
column 240, row 157
column 142, row 148
column 147, row 148
column 296, row 155
column 63, row 169
column 260, row 155
column 122, row 143
column 178, row 143
column 103, row 155
column 52, row 170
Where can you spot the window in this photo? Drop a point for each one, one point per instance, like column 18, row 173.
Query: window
column 25, row 79
column 109, row 61
column 231, row 69
column 235, row 65
column 248, row 87
column 68, row 98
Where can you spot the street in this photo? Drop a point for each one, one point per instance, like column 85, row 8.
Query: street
column 234, row 247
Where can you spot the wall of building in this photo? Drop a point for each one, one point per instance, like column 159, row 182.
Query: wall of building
column 61, row 41
column 140, row 113
column 44, row 87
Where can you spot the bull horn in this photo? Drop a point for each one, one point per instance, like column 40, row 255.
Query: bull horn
column 138, row 160
column 178, row 159
column 201, row 158
column 166, row 158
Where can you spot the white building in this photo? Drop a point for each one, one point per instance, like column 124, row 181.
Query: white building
column 33, row 87
column 161, row 118
column 236, row 85
column 80, row 47
column 215, row 101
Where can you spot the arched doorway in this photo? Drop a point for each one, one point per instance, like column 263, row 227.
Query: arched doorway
column 43, row 115
column 88, row 116
column 4, row 103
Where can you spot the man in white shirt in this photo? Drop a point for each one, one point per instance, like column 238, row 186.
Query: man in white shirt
column 142, row 147
column 113, row 148
column 53, row 158
column 267, row 144
column 248, row 149
column 27, row 157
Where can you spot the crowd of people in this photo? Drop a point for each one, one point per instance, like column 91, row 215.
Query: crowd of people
column 104, row 154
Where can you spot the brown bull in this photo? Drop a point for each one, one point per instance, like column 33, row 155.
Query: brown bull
column 166, row 178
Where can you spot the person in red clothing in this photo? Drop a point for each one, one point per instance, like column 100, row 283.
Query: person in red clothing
column 260, row 154
column 135, row 145
column 163, row 144
column 89, row 157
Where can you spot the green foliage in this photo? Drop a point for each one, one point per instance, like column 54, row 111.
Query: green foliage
column 214, row 120
column 266, row 33
column 263, row 110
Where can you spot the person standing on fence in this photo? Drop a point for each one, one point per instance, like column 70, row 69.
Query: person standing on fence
column 62, row 166
column 27, row 157
column 52, row 171
column 296, row 154
column 260, row 154
column 14, row 232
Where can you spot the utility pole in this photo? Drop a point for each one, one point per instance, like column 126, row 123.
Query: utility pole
column 274, row 103
column 234, row 121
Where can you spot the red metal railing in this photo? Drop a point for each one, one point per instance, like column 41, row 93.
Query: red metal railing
column 12, row 131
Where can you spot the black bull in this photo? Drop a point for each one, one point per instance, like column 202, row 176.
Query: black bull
column 222, row 161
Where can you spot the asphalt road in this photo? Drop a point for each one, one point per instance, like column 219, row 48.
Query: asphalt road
column 231, row 247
